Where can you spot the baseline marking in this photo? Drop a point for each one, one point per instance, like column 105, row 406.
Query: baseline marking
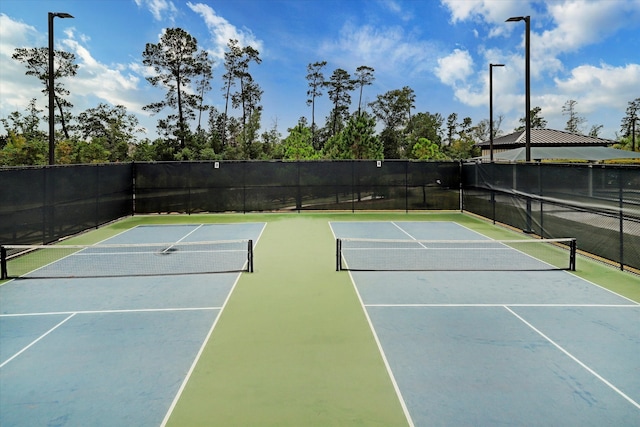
column 506, row 305
column 36, row 340
column 133, row 310
column 575, row 359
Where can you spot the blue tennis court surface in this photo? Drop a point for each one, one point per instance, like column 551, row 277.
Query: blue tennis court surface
column 514, row 347
column 108, row 350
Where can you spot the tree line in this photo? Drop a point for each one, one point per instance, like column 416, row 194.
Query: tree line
column 189, row 129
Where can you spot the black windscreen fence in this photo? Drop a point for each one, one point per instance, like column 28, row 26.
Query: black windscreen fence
column 254, row 186
column 42, row 205
column 597, row 204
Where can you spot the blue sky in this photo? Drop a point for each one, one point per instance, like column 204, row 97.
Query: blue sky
column 586, row 51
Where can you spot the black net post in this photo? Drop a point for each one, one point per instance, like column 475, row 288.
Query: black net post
column 3, row 263
column 572, row 257
column 338, row 255
column 250, row 256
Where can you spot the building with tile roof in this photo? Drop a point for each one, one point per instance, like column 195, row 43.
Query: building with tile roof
column 553, row 144
column 543, row 138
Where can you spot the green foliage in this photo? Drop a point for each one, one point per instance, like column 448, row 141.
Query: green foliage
column 575, row 121
column 21, row 151
column 109, row 134
column 37, row 62
column 93, row 151
column 627, row 143
column 394, row 107
column 364, row 77
column 392, row 143
column 144, row 151
column 356, row 141
column 339, row 84
column 177, row 61
column 299, row 145
column 360, row 138
column 630, row 120
column 537, row 121
column 424, row 149
column 316, row 80
column 110, row 126
column 463, row 148
column 424, row 125
column 27, row 125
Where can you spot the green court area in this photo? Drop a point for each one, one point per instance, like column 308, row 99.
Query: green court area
column 293, row 345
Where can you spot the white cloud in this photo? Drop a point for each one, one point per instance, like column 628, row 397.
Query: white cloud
column 602, row 86
column 107, row 82
column 394, row 7
column 490, row 11
column 457, row 71
column 559, row 29
column 222, row 31
column 580, row 23
column 387, row 50
column 18, row 90
column 14, row 34
column 455, row 68
column 95, row 82
column 158, row 8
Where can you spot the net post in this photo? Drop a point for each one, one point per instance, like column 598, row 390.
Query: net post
column 250, row 256
column 3, row 263
column 572, row 256
column 338, row 255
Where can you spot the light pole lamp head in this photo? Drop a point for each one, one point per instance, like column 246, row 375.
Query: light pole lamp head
column 496, row 65
column 517, row 18
column 61, row 15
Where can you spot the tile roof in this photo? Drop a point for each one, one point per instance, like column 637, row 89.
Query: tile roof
column 547, row 137
column 591, row 153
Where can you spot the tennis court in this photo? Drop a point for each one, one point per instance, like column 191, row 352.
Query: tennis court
column 524, row 344
column 114, row 347
column 298, row 343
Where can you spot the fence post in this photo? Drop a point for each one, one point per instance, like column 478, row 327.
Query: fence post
column 406, row 186
column 621, row 204
column 3, row 263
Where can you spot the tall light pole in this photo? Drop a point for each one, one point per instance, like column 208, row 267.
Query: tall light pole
column 51, row 83
column 527, row 83
column 491, row 108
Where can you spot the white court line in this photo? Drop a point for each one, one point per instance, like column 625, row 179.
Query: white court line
column 202, row 347
column 507, row 305
column 575, row 359
column 379, row 344
column 133, row 310
column 384, row 357
column 36, row 340
column 405, row 232
column 167, row 249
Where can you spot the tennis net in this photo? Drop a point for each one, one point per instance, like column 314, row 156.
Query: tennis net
column 109, row 260
column 455, row 255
